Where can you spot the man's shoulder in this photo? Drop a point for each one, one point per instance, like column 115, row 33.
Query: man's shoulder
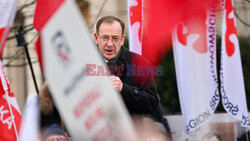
column 134, row 57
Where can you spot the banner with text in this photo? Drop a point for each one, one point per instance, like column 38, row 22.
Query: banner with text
column 232, row 82
column 194, row 46
column 90, row 107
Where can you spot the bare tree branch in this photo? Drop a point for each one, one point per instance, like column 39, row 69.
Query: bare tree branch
column 16, row 56
column 24, row 26
column 26, row 5
column 248, row 1
column 32, row 40
column 242, row 21
column 24, row 32
column 19, row 65
column 97, row 16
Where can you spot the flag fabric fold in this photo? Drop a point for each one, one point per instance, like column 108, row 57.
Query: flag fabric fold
column 7, row 15
column 9, row 111
column 231, row 75
column 194, row 46
column 30, row 131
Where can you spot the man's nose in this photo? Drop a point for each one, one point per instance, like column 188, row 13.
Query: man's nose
column 110, row 42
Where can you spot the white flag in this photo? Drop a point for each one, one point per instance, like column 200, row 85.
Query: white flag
column 194, row 45
column 232, row 83
column 135, row 25
column 7, row 15
column 30, row 128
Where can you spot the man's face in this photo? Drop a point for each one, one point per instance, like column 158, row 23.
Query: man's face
column 109, row 39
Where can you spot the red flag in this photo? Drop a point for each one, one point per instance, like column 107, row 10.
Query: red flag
column 160, row 17
column 44, row 11
column 10, row 116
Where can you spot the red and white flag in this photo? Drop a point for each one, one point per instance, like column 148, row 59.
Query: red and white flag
column 10, row 116
column 7, row 15
column 135, row 25
column 45, row 9
column 194, row 46
column 232, row 82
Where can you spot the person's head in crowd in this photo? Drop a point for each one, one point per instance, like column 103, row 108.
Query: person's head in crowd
column 212, row 137
column 49, row 113
column 109, row 36
column 148, row 129
column 53, row 133
column 45, row 100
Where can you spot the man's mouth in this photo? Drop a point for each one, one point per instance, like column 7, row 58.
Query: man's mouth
column 109, row 51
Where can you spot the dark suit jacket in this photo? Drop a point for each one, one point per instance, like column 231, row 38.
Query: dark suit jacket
column 139, row 92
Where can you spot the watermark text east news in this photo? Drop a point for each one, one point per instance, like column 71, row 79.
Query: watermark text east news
column 128, row 70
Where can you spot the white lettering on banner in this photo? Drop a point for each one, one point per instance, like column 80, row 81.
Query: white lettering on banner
column 7, row 120
column 201, row 118
column 2, row 112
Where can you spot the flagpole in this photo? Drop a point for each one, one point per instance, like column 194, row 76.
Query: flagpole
column 22, row 42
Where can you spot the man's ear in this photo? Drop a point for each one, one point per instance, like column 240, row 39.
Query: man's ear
column 123, row 39
column 96, row 38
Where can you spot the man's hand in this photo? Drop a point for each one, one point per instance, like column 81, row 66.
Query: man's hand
column 117, row 83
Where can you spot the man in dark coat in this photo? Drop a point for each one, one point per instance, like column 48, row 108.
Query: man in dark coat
column 133, row 76
column 138, row 92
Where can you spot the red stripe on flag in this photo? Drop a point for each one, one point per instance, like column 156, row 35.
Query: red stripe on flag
column 39, row 51
column 44, row 11
column 231, row 28
column 136, row 16
column 2, row 41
